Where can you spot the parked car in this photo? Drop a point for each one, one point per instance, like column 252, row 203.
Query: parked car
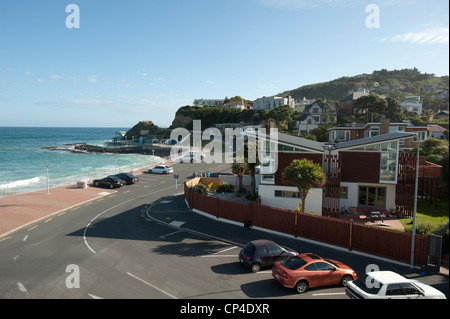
column 190, row 158
column 263, row 253
column 390, row 285
column 110, row 181
column 122, row 182
column 309, row 270
column 160, row 169
column 128, row 178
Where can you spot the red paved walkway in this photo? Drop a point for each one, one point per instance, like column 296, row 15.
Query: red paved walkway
column 19, row 210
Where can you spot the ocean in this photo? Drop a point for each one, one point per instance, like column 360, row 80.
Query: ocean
column 23, row 157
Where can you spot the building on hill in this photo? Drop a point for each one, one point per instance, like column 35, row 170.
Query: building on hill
column 208, row 102
column 235, row 105
column 412, row 104
column 315, row 114
column 347, row 104
column 273, row 102
column 355, row 131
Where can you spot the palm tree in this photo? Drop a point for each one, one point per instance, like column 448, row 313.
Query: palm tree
column 304, row 174
column 239, row 168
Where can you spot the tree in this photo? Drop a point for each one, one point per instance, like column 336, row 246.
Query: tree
column 375, row 105
column 239, row 168
column 304, row 174
column 394, row 110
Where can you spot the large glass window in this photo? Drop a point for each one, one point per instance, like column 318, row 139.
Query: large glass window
column 371, row 196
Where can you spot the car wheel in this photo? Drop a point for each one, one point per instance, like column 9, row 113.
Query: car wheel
column 96, row 184
column 301, row 286
column 164, row 172
column 345, row 280
column 256, row 267
column 111, row 186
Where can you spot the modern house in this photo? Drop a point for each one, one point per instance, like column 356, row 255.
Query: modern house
column 355, row 131
column 272, row 102
column 235, row 105
column 362, row 174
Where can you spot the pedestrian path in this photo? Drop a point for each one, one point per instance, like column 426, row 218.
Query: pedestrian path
column 18, row 211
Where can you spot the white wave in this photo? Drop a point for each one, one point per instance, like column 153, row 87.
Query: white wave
column 22, row 183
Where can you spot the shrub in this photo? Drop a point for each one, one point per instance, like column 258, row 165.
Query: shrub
column 225, row 188
column 200, row 188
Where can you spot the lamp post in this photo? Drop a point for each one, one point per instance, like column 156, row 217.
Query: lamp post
column 48, row 181
column 413, row 238
column 115, row 163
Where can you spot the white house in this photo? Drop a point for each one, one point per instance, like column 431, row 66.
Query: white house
column 208, row 102
column 272, row 102
column 412, row 104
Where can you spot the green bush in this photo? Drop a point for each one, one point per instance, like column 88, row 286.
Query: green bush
column 200, row 188
column 225, row 188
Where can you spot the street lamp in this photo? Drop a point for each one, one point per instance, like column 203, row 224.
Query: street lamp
column 115, row 163
column 413, row 239
column 48, row 181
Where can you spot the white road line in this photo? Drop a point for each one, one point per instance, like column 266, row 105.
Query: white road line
column 21, row 287
column 330, row 294
column 164, row 236
column 222, row 251
column 25, row 238
column 149, row 284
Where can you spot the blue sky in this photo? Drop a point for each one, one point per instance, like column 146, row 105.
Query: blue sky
column 143, row 59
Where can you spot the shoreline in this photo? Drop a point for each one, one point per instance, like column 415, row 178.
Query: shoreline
column 83, row 148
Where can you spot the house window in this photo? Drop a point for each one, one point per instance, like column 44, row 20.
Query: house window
column 268, row 179
column 422, row 136
column 341, row 136
column 344, row 192
column 370, row 196
column 388, row 162
column 287, row 194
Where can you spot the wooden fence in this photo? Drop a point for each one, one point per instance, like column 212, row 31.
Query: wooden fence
column 390, row 244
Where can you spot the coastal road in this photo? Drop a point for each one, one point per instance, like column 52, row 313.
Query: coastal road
column 129, row 244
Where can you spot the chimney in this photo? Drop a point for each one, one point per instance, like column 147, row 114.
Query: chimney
column 384, row 127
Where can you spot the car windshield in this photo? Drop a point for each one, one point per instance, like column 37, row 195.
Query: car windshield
column 333, row 263
column 368, row 284
column 293, row 263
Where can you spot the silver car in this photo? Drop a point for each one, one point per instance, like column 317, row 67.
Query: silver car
column 160, row 169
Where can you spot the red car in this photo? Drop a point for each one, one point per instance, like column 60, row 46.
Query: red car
column 309, row 270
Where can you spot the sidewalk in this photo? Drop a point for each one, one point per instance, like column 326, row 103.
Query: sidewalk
column 18, row 211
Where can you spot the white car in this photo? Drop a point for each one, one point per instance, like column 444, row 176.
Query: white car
column 191, row 158
column 390, row 285
column 160, row 169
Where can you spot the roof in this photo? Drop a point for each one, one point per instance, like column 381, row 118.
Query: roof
column 383, row 138
column 437, row 128
column 386, row 277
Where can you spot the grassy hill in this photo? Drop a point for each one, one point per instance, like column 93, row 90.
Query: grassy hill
column 396, row 84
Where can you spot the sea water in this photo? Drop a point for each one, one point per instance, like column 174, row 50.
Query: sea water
column 23, row 156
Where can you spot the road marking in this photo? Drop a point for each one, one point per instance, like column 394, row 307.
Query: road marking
column 21, row 287
column 48, row 220
column 99, row 200
column 207, row 256
column 222, row 251
column 62, row 213
column 75, row 208
column 149, row 284
column 330, row 294
column 164, row 236
column 33, row 227
column 95, row 297
column 90, row 203
column 5, row 238
column 176, row 223
column 25, row 238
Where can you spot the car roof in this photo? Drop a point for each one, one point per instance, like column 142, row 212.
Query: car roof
column 386, row 277
column 309, row 257
column 261, row 242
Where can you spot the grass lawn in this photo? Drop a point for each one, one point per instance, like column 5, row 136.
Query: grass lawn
column 426, row 214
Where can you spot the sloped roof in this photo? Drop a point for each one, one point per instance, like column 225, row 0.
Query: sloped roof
column 383, row 138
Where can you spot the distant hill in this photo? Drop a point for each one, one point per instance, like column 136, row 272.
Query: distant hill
column 396, row 84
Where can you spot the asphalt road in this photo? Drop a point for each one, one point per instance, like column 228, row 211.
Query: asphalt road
column 142, row 242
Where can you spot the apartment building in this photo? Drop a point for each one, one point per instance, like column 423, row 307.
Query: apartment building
column 272, row 102
column 412, row 104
